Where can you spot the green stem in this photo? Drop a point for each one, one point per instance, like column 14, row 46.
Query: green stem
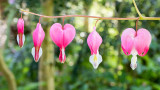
column 7, row 74
column 140, row 15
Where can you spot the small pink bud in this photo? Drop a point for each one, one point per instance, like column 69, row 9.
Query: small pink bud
column 20, row 35
column 38, row 37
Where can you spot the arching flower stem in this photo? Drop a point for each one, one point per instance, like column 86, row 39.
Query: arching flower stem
column 102, row 18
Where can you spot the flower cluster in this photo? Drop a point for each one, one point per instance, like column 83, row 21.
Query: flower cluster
column 132, row 42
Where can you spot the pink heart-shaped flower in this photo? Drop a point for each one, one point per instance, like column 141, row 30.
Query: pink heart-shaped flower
column 134, row 43
column 62, row 36
column 139, row 42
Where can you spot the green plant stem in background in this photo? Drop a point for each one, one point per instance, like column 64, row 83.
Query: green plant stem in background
column 140, row 15
column 7, row 74
column 46, row 64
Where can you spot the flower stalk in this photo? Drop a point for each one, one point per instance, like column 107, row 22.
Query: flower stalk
column 102, row 18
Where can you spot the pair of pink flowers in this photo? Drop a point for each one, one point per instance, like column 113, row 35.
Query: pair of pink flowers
column 61, row 36
column 132, row 42
column 38, row 37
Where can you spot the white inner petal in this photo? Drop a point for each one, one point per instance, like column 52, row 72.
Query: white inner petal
column 18, row 39
column 95, row 60
column 133, row 64
column 63, row 53
column 33, row 52
column 40, row 52
column 23, row 38
column 134, row 52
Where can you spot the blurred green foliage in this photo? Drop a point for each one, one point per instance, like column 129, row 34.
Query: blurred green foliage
column 114, row 73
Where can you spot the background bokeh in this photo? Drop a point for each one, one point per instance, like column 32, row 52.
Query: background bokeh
column 114, row 73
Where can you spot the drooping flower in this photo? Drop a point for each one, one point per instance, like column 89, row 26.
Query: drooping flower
column 135, row 43
column 62, row 36
column 20, row 35
column 38, row 37
column 94, row 40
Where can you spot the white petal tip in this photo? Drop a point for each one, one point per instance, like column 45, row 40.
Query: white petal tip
column 33, row 52
column 40, row 52
column 18, row 39
column 95, row 67
column 63, row 54
column 23, row 39
column 133, row 66
column 95, row 60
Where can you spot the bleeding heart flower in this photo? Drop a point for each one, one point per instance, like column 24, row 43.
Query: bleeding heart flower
column 135, row 43
column 20, row 35
column 94, row 40
column 62, row 36
column 38, row 37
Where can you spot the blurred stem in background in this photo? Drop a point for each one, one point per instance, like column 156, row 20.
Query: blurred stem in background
column 46, row 64
column 118, row 14
column 7, row 74
column 84, row 45
column 3, row 67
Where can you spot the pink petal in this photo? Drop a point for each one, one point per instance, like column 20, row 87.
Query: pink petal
column 62, row 60
column 38, row 35
column 20, row 40
column 37, row 54
column 127, row 40
column 69, row 34
column 62, row 37
column 56, row 34
column 20, row 26
column 142, row 41
column 94, row 40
